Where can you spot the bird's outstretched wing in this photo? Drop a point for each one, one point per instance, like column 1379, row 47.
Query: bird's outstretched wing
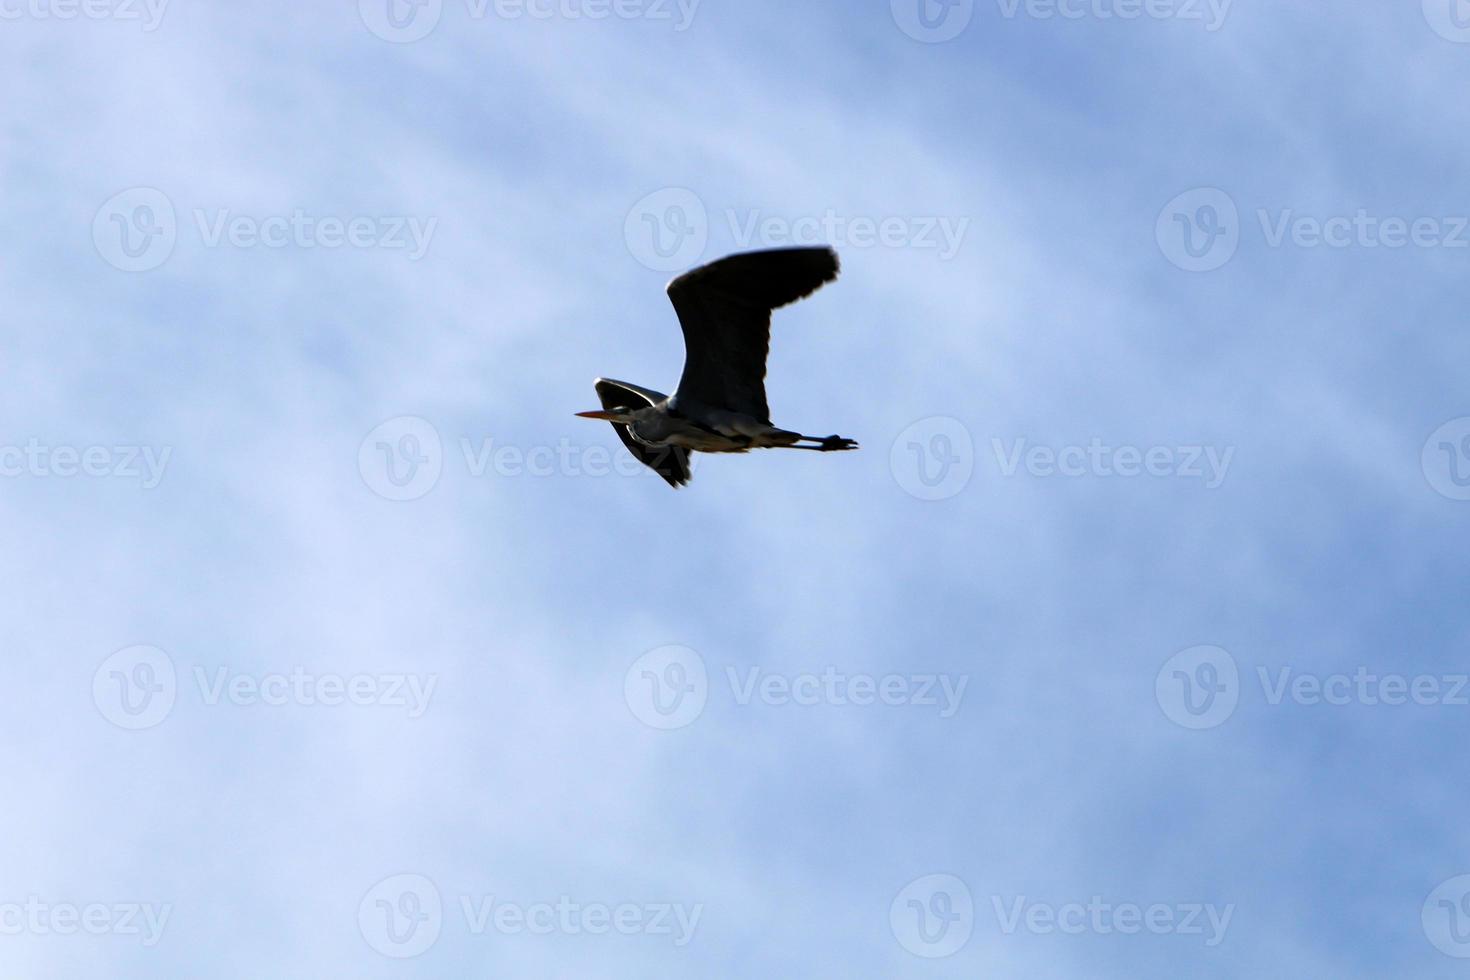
column 725, row 310
column 671, row 462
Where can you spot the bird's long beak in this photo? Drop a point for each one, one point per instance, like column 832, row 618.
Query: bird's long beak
column 604, row 416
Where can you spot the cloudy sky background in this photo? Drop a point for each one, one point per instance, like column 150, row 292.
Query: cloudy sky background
column 1069, row 149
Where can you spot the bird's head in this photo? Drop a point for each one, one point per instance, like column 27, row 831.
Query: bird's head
column 621, row 416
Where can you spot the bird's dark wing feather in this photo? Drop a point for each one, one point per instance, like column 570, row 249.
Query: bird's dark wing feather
column 671, row 462
column 725, row 310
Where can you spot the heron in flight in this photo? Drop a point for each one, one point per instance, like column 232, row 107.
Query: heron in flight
column 720, row 404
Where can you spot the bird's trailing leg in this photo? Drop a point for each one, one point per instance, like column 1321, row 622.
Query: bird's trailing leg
column 829, row 444
column 766, row 436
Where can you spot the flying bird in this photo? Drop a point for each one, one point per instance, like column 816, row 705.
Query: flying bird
column 725, row 310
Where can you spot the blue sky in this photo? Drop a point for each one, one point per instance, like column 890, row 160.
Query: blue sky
column 1130, row 645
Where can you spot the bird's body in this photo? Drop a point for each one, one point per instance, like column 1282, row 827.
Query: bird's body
column 720, row 404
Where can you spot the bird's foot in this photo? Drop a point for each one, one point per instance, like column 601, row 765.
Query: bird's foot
column 833, row 444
